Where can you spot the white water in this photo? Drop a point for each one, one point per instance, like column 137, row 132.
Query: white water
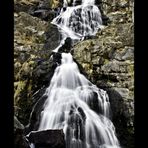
column 75, row 21
column 74, row 104
column 78, row 21
column 68, row 107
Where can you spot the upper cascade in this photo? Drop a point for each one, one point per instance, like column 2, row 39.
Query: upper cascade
column 78, row 21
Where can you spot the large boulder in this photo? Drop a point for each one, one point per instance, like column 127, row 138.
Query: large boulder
column 19, row 138
column 47, row 138
column 34, row 40
column 32, row 66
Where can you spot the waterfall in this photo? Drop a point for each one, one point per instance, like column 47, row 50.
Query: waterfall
column 74, row 104
column 78, row 21
column 69, row 106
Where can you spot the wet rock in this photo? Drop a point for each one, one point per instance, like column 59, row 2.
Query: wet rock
column 30, row 74
column 94, row 103
column 52, row 38
column 46, row 15
column 17, row 124
column 24, row 5
column 124, row 92
column 47, row 138
column 76, row 121
column 71, row 3
column 66, row 47
column 122, row 115
column 80, row 110
column 108, row 61
column 45, row 9
column 57, row 57
column 105, row 18
column 34, row 120
column 129, row 54
column 19, row 138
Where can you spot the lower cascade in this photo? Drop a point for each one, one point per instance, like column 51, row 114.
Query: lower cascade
column 78, row 107
column 74, row 104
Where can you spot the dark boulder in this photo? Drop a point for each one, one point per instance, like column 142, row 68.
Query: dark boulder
column 19, row 138
column 76, row 126
column 56, row 57
column 105, row 19
column 35, row 115
column 66, row 47
column 47, row 139
column 122, row 116
column 52, row 39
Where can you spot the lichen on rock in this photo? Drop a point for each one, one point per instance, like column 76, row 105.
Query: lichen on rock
column 108, row 61
column 29, row 39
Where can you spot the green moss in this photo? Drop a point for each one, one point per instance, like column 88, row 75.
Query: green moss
column 40, row 39
column 54, row 3
column 106, row 61
column 130, row 69
column 29, row 87
column 50, row 3
column 23, row 101
column 20, row 87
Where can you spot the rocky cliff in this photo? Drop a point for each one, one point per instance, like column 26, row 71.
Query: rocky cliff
column 106, row 59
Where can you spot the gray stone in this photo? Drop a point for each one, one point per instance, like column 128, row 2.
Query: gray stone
column 111, row 67
column 115, row 66
column 107, row 59
column 47, row 138
column 129, row 54
column 124, row 92
column 17, row 124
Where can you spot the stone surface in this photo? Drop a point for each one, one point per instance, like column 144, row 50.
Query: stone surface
column 45, row 9
column 19, row 138
column 32, row 66
column 17, row 124
column 47, row 138
column 108, row 61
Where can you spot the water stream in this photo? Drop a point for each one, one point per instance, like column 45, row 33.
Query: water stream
column 74, row 104
column 78, row 21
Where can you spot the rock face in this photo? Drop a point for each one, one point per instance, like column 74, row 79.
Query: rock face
column 32, row 66
column 47, row 138
column 19, row 138
column 108, row 61
column 28, row 43
column 44, row 9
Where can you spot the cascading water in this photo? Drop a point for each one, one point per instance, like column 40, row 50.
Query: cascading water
column 69, row 106
column 78, row 21
column 74, row 104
